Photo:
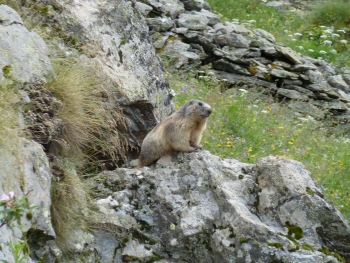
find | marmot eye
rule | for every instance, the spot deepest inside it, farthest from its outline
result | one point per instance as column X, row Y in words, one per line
column 200, row 104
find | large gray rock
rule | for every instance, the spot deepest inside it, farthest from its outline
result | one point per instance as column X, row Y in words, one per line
column 323, row 87
column 245, row 82
column 283, row 74
column 264, row 34
column 292, row 94
column 24, row 56
column 213, row 19
column 338, row 83
column 304, row 67
column 333, row 105
column 346, row 74
column 289, row 54
column 195, row 5
column 143, row 8
column 232, row 40
column 314, row 76
column 178, row 51
column 172, row 8
column 159, row 24
column 115, row 30
column 24, row 169
column 227, row 66
column 307, row 109
column 228, row 27
column 197, row 38
column 193, row 21
column 302, row 90
column 200, row 207
column 234, row 52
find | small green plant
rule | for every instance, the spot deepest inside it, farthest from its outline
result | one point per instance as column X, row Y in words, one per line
column 243, row 240
column 326, row 251
column 6, row 70
column 294, row 230
column 275, row 244
column 14, row 208
column 308, row 247
column 20, row 252
column 309, row 191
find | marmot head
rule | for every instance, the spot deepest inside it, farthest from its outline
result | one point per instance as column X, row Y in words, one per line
column 198, row 109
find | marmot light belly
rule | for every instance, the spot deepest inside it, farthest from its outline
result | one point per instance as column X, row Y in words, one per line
column 181, row 131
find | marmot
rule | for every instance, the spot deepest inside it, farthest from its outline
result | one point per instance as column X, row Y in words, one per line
column 181, row 131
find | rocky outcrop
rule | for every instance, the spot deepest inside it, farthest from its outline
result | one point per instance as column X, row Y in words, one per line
column 31, row 176
column 247, row 56
column 116, row 38
column 24, row 166
column 199, row 208
column 24, row 54
column 192, row 208
column 113, row 36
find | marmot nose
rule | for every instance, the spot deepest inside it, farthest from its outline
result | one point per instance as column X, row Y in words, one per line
column 209, row 111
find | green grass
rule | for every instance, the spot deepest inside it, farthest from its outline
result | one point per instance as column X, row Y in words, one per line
column 320, row 33
column 246, row 128
column 332, row 13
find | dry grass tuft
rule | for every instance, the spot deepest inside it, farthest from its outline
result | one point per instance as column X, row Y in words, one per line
column 89, row 115
column 89, row 136
column 70, row 204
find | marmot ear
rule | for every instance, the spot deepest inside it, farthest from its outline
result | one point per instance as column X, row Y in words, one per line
column 191, row 102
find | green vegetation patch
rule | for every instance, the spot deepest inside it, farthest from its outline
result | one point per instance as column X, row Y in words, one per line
column 274, row 244
column 6, row 70
column 308, row 247
column 294, row 230
column 247, row 125
column 326, row 251
column 309, row 191
column 243, row 240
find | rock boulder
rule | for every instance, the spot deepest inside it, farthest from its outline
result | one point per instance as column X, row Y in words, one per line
column 199, row 208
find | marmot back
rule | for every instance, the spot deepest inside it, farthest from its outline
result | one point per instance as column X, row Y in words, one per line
column 181, row 131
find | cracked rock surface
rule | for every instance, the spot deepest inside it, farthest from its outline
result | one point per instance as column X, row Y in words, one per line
column 199, row 208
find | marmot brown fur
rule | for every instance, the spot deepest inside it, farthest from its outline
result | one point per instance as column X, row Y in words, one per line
column 181, row 131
